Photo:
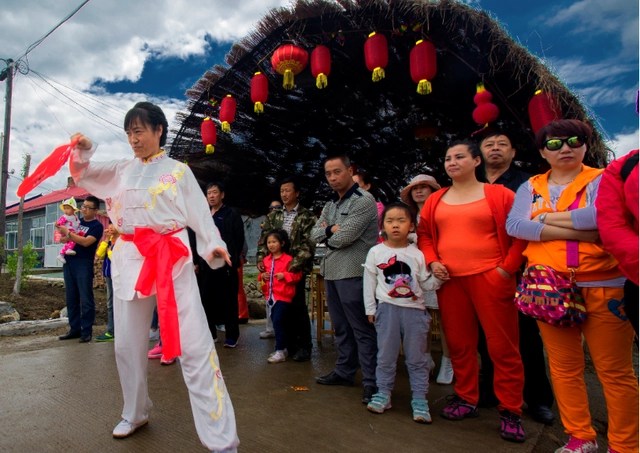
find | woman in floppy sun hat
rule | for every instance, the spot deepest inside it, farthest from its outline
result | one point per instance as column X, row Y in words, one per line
column 417, row 192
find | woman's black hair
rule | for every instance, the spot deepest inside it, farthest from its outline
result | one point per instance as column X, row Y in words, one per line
column 474, row 150
column 282, row 237
column 150, row 115
column 368, row 180
column 396, row 205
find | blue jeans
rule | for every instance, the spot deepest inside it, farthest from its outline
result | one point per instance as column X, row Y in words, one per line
column 278, row 315
column 109, row 284
column 78, row 283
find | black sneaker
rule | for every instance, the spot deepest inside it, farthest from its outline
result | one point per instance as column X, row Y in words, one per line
column 333, row 379
column 369, row 391
column 302, row 355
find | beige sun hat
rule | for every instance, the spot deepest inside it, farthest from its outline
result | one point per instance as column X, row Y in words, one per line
column 405, row 195
column 70, row 202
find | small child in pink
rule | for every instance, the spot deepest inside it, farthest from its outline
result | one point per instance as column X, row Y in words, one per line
column 71, row 221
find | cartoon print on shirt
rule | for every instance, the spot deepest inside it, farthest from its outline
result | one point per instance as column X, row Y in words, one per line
column 398, row 275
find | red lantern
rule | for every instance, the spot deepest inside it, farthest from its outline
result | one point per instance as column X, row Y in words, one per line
column 259, row 91
column 423, row 65
column 485, row 112
column 321, row 65
column 376, row 55
column 543, row 109
column 289, row 60
column 208, row 132
column 227, row 112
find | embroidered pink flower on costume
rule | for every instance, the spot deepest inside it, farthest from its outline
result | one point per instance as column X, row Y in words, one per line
column 108, row 201
column 119, row 222
column 167, row 179
column 218, row 374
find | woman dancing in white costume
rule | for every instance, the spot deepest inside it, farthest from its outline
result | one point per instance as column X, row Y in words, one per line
column 151, row 200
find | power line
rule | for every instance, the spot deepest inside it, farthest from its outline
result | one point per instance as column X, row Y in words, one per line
column 82, row 93
column 33, row 86
column 98, row 119
column 39, row 41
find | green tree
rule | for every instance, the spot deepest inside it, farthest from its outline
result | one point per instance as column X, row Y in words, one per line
column 30, row 258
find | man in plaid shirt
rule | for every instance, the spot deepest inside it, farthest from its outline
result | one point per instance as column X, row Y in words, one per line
column 297, row 221
column 349, row 227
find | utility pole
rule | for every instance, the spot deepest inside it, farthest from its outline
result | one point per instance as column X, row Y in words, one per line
column 7, row 73
column 20, row 265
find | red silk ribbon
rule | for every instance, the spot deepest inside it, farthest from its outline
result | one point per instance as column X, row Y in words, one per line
column 161, row 252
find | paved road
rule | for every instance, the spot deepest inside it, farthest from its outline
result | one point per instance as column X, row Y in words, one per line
column 65, row 397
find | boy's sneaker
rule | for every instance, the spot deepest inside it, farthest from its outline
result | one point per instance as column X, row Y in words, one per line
column 221, row 328
column 267, row 334
column 379, row 403
column 154, row 335
column 70, row 252
column 278, row 356
column 106, row 337
column 156, row 352
column 576, row 445
column 457, row 409
column 61, row 259
column 511, row 427
column 165, row 361
column 230, row 343
column 421, row 412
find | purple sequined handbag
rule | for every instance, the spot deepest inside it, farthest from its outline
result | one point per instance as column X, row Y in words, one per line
column 548, row 296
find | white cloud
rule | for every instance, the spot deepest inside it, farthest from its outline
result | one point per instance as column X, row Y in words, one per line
column 623, row 143
column 597, row 17
column 105, row 41
column 608, row 95
column 575, row 70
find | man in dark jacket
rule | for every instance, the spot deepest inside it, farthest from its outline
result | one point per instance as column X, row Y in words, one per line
column 297, row 221
column 220, row 286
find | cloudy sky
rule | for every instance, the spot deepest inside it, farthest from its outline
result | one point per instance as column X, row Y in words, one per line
column 111, row 54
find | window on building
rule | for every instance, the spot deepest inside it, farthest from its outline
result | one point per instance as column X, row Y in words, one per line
column 52, row 215
column 36, row 234
column 11, row 236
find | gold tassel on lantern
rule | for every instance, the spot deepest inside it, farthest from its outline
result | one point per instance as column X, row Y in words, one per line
column 226, row 127
column 378, row 74
column 321, row 81
column 258, row 107
column 288, row 80
column 209, row 149
column 424, row 87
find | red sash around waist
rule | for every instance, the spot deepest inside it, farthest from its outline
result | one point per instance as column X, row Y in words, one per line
column 161, row 252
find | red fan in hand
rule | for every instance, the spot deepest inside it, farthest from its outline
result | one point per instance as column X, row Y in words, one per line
column 47, row 168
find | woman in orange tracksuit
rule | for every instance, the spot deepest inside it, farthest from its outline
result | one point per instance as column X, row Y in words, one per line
column 456, row 223
column 540, row 214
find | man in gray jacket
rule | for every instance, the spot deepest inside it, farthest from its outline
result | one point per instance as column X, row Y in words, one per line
column 349, row 227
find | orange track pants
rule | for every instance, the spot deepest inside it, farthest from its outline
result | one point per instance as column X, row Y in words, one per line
column 488, row 298
column 610, row 340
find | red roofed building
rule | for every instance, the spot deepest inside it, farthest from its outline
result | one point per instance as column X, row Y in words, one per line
column 40, row 214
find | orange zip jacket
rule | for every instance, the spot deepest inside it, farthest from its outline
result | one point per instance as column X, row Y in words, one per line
column 500, row 200
column 595, row 263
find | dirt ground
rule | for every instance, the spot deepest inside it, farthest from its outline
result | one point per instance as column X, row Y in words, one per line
column 41, row 298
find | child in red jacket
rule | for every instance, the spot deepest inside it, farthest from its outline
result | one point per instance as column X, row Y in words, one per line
column 279, row 287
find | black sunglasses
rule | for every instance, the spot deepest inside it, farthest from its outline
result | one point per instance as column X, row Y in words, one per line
column 274, row 207
column 554, row 144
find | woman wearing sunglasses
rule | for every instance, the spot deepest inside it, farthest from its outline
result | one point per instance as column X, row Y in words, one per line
column 541, row 215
